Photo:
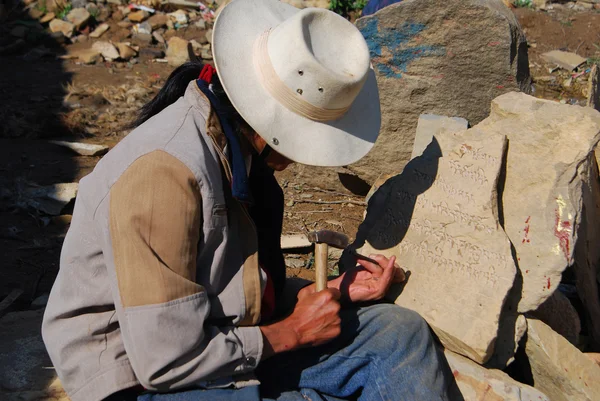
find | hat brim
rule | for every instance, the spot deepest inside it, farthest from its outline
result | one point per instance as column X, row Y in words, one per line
column 335, row 143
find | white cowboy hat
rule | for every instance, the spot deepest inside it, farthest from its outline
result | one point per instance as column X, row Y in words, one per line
column 301, row 78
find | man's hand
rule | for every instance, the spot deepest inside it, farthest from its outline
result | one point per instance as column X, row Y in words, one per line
column 314, row 321
column 365, row 282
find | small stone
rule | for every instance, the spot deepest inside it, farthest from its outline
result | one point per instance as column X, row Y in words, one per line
column 158, row 21
column 208, row 36
column 80, row 39
column 122, row 34
column 179, row 17
column 177, row 51
column 78, row 17
column 567, row 60
column 124, row 24
column 206, row 54
column 200, row 24
column 138, row 16
column 19, row 31
column 35, row 13
column 50, row 199
column 57, row 25
column 125, row 51
column 142, row 39
column 144, row 28
column 47, row 18
column 83, row 149
column 158, row 37
column 196, row 46
column 294, row 263
column 99, row 31
column 151, row 54
column 294, row 241
column 107, row 49
column 78, row 3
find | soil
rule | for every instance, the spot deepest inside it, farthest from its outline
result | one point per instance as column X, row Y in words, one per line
column 52, row 98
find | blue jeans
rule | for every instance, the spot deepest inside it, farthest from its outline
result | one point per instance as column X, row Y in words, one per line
column 385, row 352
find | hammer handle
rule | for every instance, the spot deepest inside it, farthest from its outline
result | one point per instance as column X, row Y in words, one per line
column 321, row 256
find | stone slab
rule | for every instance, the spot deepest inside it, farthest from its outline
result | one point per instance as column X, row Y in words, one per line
column 558, row 313
column 83, row 149
column 433, row 125
column 567, row 60
column 440, row 219
column 559, row 369
column 550, row 146
column 477, row 383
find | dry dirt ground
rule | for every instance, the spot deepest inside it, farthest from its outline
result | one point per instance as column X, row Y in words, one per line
column 50, row 98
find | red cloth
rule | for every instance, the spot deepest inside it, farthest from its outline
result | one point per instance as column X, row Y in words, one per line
column 268, row 300
column 207, row 73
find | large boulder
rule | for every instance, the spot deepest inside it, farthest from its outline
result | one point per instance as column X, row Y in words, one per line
column 447, row 57
column 559, row 369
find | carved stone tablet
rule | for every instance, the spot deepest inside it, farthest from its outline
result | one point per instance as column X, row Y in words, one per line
column 440, row 218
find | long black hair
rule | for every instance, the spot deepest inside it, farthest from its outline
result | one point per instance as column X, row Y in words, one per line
column 175, row 87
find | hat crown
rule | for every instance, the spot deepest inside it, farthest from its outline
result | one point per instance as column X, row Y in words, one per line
column 321, row 57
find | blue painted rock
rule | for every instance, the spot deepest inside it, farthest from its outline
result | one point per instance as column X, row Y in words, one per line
column 446, row 57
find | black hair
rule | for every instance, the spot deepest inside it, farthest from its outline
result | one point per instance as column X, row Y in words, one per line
column 175, row 87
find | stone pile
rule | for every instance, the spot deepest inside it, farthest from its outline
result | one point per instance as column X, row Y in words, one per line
column 115, row 32
column 491, row 222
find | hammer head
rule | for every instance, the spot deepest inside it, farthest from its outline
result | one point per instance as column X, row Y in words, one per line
column 332, row 238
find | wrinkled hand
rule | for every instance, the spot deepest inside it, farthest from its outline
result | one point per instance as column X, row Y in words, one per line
column 369, row 281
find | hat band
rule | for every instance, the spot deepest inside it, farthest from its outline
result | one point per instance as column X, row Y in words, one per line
column 281, row 92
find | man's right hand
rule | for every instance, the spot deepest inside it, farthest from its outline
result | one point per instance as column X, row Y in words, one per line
column 315, row 321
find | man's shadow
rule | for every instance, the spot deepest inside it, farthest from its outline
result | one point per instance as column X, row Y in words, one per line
column 391, row 207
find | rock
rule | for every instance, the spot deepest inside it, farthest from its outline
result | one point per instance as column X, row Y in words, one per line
column 125, row 52
column 80, row 39
column 49, row 199
column 593, row 99
column 87, row 56
column 445, row 57
column 294, row 263
column 177, row 51
column 99, row 31
column 308, row 3
column 208, row 36
column 144, row 28
column 78, row 17
column 150, row 54
column 559, row 369
column 179, row 17
column 142, row 39
column 56, row 39
column 57, row 25
column 47, row 18
column 294, row 241
column 477, row 383
column 197, row 47
column 124, row 24
column 19, row 31
column 107, row 49
column 158, row 37
column 558, row 313
column 594, row 357
column 84, row 149
column 206, row 54
column 22, row 348
column 431, row 125
column 551, row 146
column 567, row 60
column 138, row 16
column 440, row 219
column 200, row 24
column 158, row 21
column 122, row 34
column 587, row 251
column 79, row 3
column 34, row 13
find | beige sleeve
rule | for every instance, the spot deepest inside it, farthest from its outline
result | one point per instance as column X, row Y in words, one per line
column 155, row 217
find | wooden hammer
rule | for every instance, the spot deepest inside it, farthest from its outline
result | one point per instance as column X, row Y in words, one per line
column 322, row 240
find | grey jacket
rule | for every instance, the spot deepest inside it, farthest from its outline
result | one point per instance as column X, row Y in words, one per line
column 159, row 282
